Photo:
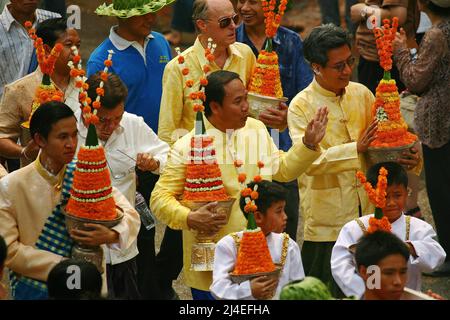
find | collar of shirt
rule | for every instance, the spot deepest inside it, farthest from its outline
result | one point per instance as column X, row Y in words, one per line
column 123, row 44
column 241, row 36
column 82, row 130
column 200, row 53
column 318, row 88
column 54, row 180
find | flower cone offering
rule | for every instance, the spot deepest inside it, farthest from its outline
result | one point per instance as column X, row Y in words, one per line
column 203, row 176
column 265, row 85
column 392, row 131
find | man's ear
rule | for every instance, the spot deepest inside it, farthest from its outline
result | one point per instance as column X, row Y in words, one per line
column 201, row 25
column 316, row 68
column 214, row 105
column 39, row 140
column 258, row 217
column 362, row 271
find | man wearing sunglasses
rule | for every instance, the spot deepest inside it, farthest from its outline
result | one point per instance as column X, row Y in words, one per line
column 295, row 76
column 214, row 19
column 329, row 193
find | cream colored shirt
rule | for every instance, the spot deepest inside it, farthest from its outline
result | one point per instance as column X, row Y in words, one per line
column 3, row 171
column 27, row 198
column 15, row 105
column 329, row 190
column 252, row 143
column 176, row 108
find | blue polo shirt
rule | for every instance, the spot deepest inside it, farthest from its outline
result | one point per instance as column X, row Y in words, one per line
column 141, row 69
column 295, row 73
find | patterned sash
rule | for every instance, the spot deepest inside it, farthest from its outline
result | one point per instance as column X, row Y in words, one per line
column 53, row 238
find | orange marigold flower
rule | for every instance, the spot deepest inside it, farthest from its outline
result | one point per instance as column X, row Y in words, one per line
column 246, row 192
column 257, row 179
column 100, row 91
column 180, row 59
column 107, row 63
column 58, row 47
column 94, row 119
column 85, row 86
column 74, row 73
column 193, row 96
column 104, row 76
column 76, row 58
column 210, row 57
column 206, row 68
column 56, row 97
column 254, row 195
column 185, row 71
column 204, row 82
column 79, row 84
column 28, row 24
column 96, row 104
column 242, row 177
column 189, row 83
column 87, row 109
column 238, row 163
column 260, row 164
column 198, row 108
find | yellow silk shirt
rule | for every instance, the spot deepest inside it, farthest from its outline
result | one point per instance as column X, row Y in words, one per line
column 329, row 191
column 176, row 108
column 252, row 143
column 27, row 198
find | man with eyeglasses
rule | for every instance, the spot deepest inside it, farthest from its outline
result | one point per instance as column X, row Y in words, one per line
column 129, row 143
column 329, row 193
column 214, row 19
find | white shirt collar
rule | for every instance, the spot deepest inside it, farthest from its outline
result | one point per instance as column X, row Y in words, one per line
column 6, row 18
column 121, row 43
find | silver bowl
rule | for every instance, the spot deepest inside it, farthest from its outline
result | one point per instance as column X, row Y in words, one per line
column 93, row 254
column 244, row 277
column 377, row 155
column 258, row 103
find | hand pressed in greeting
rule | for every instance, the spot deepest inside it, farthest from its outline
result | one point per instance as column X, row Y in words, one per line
column 410, row 159
column 98, row 235
column 263, row 287
column 206, row 219
column 315, row 131
column 275, row 118
column 400, row 40
column 146, row 162
column 367, row 137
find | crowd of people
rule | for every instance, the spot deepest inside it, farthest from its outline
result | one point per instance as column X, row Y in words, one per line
column 146, row 121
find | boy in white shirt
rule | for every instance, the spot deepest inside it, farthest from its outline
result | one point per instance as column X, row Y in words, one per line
column 425, row 253
column 271, row 218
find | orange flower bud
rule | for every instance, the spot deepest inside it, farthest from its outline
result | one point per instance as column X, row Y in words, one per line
column 246, row 192
column 254, row 195
column 28, row 24
column 104, row 76
column 189, row 83
column 58, row 47
column 193, row 96
column 100, row 91
column 238, row 163
column 180, row 59
column 96, row 104
column 185, row 71
column 107, row 63
column 206, row 68
column 242, row 177
column 257, row 179
column 87, row 109
column 76, row 59
column 204, row 82
column 260, row 164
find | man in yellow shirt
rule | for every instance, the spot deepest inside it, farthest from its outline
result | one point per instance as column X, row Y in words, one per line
column 235, row 136
column 330, row 194
column 214, row 19
column 217, row 20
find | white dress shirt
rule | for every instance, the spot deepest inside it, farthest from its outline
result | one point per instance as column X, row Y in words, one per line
column 133, row 136
column 430, row 254
column 16, row 46
column 225, row 259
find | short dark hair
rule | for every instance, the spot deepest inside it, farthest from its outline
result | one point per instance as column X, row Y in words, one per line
column 374, row 247
column 90, row 281
column 115, row 90
column 215, row 89
column 397, row 175
column 51, row 30
column 437, row 10
column 269, row 192
column 321, row 40
column 47, row 115
column 3, row 252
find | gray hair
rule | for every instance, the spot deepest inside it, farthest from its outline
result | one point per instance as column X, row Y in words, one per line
column 321, row 40
column 199, row 11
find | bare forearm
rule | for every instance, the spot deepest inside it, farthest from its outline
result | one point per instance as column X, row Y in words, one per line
column 385, row 13
column 10, row 149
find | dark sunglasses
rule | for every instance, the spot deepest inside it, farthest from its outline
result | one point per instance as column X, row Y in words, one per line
column 225, row 22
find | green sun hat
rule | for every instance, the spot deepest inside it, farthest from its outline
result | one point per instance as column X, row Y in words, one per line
column 129, row 8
